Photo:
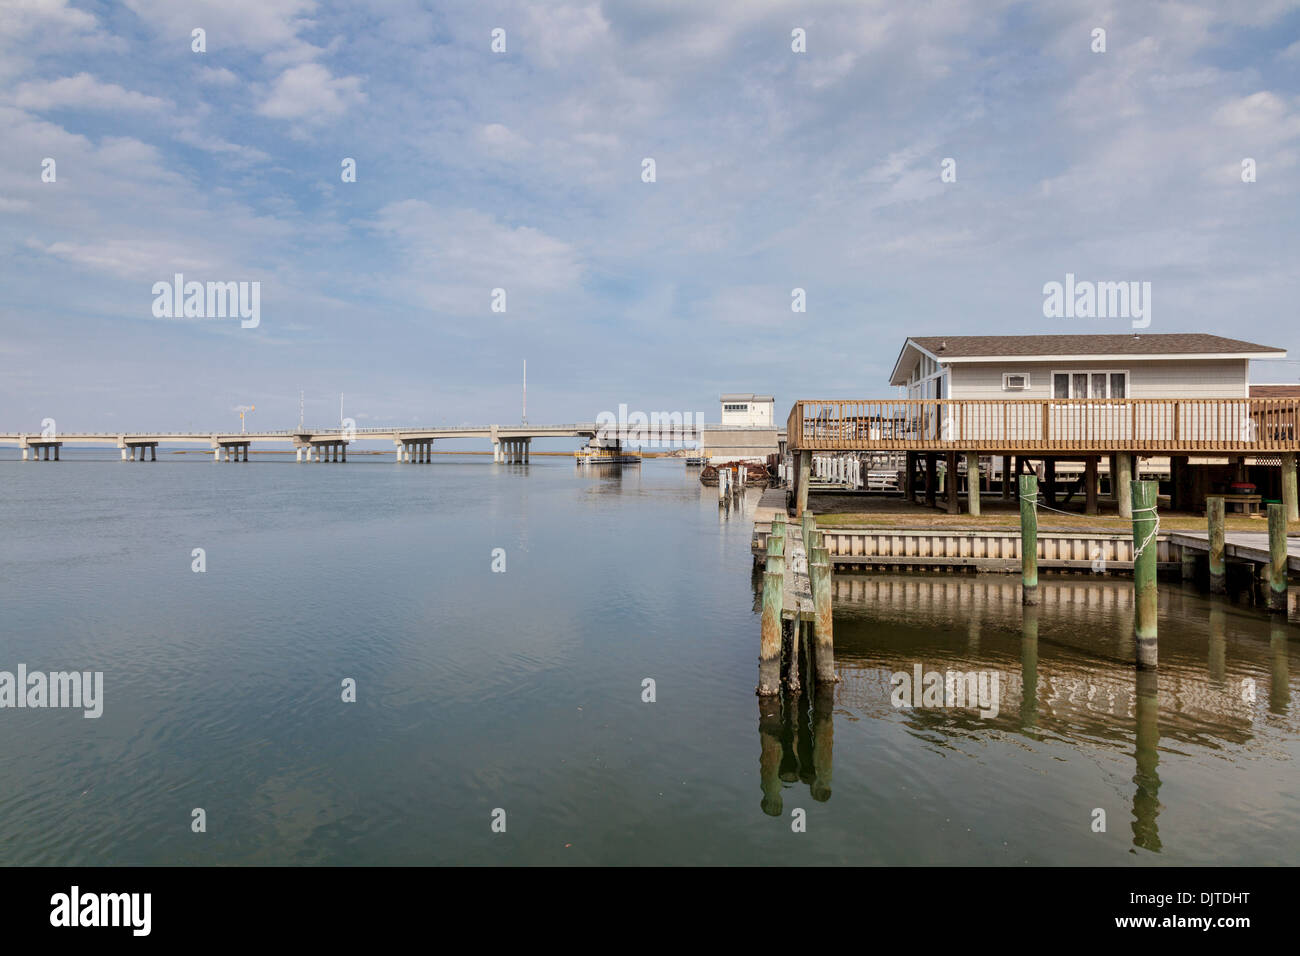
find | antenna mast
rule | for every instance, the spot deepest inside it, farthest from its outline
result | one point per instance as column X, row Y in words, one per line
column 525, row 418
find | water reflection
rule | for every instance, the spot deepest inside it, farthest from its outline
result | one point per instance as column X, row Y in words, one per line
column 1146, row 799
column 796, row 740
column 1066, row 677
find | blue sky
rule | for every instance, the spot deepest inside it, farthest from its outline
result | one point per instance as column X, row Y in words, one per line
column 478, row 170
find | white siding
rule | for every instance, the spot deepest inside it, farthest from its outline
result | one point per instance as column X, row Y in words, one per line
column 1211, row 378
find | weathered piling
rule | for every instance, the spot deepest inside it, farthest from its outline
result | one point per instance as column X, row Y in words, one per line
column 1188, row 559
column 1145, row 597
column 1277, row 558
column 804, row 476
column 1218, row 564
column 973, row 483
column 769, row 651
column 1123, row 499
column 819, row 573
column 1029, row 539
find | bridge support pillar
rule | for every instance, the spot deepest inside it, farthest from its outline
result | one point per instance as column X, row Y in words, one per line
column 153, row 452
column 528, row 442
column 343, row 451
column 216, row 454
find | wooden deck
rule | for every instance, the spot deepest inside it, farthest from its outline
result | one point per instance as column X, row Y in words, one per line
column 1249, row 546
column 1066, row 426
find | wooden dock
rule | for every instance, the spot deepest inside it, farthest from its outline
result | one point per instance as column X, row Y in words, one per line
column 1247, row 546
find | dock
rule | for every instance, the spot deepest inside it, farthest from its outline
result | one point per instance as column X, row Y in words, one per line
column 1246, row 546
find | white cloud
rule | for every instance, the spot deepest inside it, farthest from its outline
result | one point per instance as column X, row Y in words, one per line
column 309, row 91
column 85, row 92
column 218, row 76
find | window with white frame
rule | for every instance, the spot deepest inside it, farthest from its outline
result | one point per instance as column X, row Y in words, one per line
column 1090, row 383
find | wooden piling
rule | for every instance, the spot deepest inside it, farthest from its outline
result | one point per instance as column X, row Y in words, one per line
column 1289, row 501
column 1006, row 477
column 1090, row 485
column 1029, row 539
column 1123, row 496
column 769, row 652
column 801, row 489
column 931, row 477
column 973, row 483
column 1145, row 597
column 1188, row 559
column 1218, row 564
column 1278, row 558
column 819, row 573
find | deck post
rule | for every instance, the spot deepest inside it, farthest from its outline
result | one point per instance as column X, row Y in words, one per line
column 1278, row 558
column 1145, row 597
column 909, row 476
column 1049, row 481
column 1029, row 539
column 931, row 477
column 801, row 488
column 950, row 483
column 973, row 483
column 1006, row 477
column 1123, row 496
column 1218, row 567
column 1090, row 485
column 1289, row 500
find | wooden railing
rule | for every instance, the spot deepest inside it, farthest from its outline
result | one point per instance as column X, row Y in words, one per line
column 1156, row 425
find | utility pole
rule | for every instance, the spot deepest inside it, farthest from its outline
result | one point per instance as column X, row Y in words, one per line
column 525, row 418
column 300, row 406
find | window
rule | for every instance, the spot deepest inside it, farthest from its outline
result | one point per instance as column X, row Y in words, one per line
column 735, row 408
column 1015, row 380
column 1090, row 384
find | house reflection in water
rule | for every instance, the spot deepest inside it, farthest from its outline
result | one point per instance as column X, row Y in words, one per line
column 1066, row 677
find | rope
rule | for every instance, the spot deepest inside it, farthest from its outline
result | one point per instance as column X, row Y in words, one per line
column 1155, row 528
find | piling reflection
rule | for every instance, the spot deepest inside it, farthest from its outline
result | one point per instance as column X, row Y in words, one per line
column 1279, row 692
column 1146, row 798
column 796, row 742
column 1029, row 667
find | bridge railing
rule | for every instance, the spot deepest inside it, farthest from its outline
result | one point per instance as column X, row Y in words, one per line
column 1064, row 425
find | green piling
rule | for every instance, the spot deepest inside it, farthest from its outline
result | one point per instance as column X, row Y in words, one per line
column 1277, row 558
column 1145, row 597
column 1029, row 539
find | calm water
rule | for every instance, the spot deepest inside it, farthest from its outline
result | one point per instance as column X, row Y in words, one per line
column 522, row 690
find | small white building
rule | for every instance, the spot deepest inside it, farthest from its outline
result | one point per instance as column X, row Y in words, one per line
column 748, row 409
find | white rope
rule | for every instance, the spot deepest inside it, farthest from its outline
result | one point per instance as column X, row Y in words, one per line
column 1155, row 528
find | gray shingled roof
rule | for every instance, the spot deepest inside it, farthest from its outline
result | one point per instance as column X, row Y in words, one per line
column 974, row 346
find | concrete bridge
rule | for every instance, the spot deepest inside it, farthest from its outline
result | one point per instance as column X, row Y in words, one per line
column 510, row 443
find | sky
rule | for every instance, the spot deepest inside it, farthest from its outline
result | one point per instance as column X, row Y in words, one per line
column 775, row 169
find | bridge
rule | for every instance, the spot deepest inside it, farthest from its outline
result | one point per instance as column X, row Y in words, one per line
column 510, row 443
